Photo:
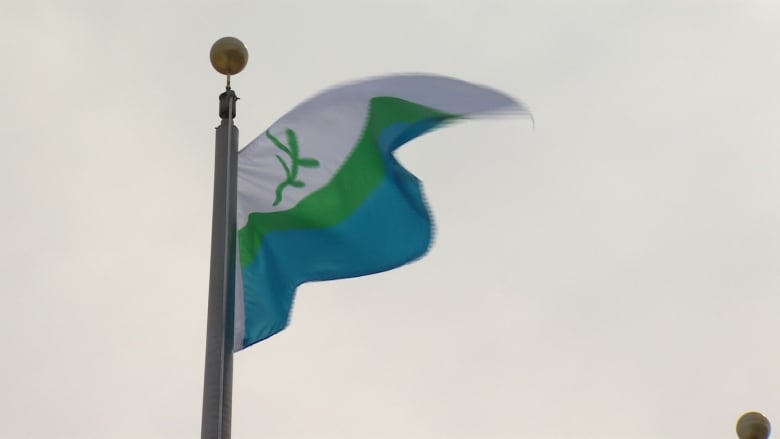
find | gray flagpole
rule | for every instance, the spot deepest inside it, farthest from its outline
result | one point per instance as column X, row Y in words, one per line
column 228, row 56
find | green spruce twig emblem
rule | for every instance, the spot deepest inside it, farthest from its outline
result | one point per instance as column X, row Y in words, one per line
column 291, row 170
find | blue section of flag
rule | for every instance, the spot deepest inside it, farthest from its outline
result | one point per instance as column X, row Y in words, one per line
column 391, row 228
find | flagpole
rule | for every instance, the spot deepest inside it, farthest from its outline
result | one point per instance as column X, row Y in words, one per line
column 228, row 56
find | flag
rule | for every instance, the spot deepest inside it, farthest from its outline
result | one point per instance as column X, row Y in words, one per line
column 321, row 197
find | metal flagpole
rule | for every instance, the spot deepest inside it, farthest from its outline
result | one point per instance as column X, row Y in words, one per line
column 228, row 56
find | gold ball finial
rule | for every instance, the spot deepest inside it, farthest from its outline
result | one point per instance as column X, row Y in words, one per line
column 753, row 425
column 229, row 55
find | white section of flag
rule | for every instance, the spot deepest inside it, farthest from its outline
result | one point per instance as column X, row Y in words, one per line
column 329, row 125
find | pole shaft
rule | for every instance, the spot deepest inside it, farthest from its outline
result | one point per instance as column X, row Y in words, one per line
column 218, row 375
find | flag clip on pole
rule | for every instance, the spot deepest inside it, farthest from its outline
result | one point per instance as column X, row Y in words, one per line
column 228, row 56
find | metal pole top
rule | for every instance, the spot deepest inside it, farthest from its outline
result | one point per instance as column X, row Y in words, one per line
column 753, row 425
column 229, row 56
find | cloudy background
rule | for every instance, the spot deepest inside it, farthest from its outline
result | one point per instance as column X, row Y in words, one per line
column 610, row 273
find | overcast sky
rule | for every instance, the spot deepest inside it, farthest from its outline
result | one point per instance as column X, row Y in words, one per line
column 611, row 273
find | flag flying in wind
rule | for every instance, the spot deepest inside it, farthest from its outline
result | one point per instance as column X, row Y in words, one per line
column 321, row 197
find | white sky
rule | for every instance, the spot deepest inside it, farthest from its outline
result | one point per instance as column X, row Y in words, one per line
column 610, row 273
